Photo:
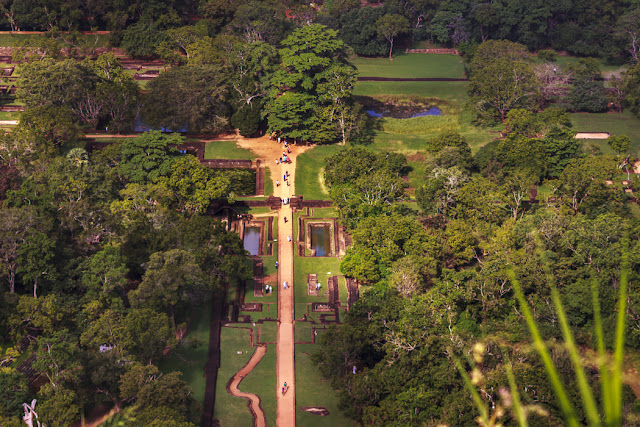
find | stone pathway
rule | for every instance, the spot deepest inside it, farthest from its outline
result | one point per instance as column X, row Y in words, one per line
column 268, row 151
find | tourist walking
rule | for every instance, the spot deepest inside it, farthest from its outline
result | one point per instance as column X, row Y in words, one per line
column 277, row 183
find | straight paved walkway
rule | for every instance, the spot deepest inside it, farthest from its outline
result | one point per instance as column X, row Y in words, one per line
column 285, row 345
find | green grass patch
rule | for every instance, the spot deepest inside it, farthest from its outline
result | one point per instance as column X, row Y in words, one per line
column 324, row 213
column 191, row 356
column 616, row 124
column 448, row 91
column 268, row 182
column 313, row 265
column 420, row 125
column 314, row 390
column 411, row 66
column 227, row 150
column 262, row 381
column 268, row 332
column 308, row 168
column 232, row 411
column 303, row 331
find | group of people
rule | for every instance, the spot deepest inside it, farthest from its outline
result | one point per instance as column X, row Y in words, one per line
column 268, row 288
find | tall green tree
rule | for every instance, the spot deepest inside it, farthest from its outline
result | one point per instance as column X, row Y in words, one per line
column 500, row 79
column 390, row 26
column 172, row 283
column 149, row 156
column 314, row 74
column 199, row 99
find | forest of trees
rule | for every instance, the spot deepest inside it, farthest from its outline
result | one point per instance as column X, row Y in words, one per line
column 108, row 248
column 439, row 275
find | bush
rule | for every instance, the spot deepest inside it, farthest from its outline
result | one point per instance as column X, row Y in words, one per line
column 547, row 55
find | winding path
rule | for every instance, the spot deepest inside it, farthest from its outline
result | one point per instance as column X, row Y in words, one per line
column 259, row 419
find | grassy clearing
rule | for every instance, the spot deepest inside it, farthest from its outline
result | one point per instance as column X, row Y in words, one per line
column 308, row 166
column 191, row 359
column 262, row 381
column 313, row 390
column 411, row 66
column 324, row 268
column 232, row 411
column 268, row 183
column 420, row 125
column 616, row 124
column 227, row 150
column 302, row 331
column 268, row 332
column 448, row 91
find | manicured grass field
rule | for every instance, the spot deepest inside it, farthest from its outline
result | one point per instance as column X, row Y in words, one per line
column 227, row 150
column 262, row 381
column 616, row 124
column 448, row 91
column 313, row 390
column 232, row 411
column 190, row 360
column 308, row 172
column 416, row 65
column 314, row 265
column 268, row 183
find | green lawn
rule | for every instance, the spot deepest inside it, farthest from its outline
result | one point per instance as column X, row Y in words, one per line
column 268, row 183
column 313, row 390
column 616, row 124
column 411, row 66
column 227, row 150
column 232, row 411
column 314, row 265
column 448, row 91
column 191, row 357
column 308, row 171
column 262, row 381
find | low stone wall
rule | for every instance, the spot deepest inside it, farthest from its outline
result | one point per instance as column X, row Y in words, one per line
column 592, row 135
column 437, row 50
column 227, row 163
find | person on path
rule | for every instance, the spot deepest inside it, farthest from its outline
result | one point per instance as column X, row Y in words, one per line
column 276, row 264
column 285, row 385
column 278, row 140
column 288, row 185
column 283, row 391
column 285, row 219
column 284, row 177
column 277, row 162
column 287, row 172
column 277, row 183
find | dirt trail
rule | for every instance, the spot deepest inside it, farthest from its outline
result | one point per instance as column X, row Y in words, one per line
column 259, row 419
column 268, row 151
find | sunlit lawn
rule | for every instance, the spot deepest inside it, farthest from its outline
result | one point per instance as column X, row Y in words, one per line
column 232, row 411
column 614, row 123
column 262, row 382
column 227, row 150
column 308, row 171
column 411, row 66
column 448, row 91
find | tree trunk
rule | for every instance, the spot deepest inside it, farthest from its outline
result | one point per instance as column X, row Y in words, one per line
column 391, row 48
column 35, row 288
column 12, row 280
